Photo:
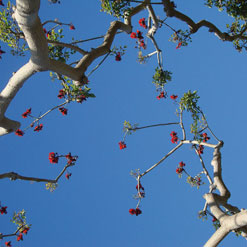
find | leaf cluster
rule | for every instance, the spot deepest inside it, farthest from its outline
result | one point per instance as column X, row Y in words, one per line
column 161, row 77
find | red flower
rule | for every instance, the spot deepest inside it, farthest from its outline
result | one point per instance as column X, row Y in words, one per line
column 140, row 187
column 122, row 145
column 142, row 23
column 118, row 57
column 61, row 94
column 70, row 158
column 1, row 3
column 181, row 164
column 179, row 45
column 53, row 158
column 25, row 230
column 38, row 128
column 3, row 210
column 8, row 243
column 214, row 219
column 174, row 137
column 173, row 96
column 132, row 211
column 179, row 170
column 63, row 110
column 48, row 34
column 45, row 31
column 67, row 175
column 161, row 95
column 133, row 35
column 26, row 113
column 139, row 34
column 142, row 44
column 200, row 149
column 138, row 211
column 19, row 132
column 81, row 98
column 205, row 137
column 20, row 237
column 72, row 27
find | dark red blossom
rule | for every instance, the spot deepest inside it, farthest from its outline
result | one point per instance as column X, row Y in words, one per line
column 179, row 45
column 133, row 35
column 179, row 170
column 67, row 175
column 25, row 230
column 19, row 132
column 20, row 237
column 3, row 210
column 72, row 27
column 38, row 128
column 118, row 57
column 81, row 98
column 1, row 3
column 132, row 211
column 48, row 34
column 45, row 31
column 143, row 45
column 8, row 244
column 136, row 211
column 122, row 145
column 200, row 149
column 161, row 95
column 214, row 219
column 61, row 94
column 181, row 164
column 139, row 34
column 142, row 23
column 174, row 139
column 53, row 158
column 63, row 110
column 173, row 97
column 26, row 113
column 70, row 158
column 140, row 187
column 205, row 137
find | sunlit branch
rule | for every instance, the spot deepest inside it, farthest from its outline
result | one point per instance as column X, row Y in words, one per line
column 182, row 125
column 166, row 156
column 72, row 47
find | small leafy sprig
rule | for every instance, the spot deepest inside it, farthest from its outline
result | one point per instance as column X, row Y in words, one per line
column 161, row 77
column 118, row 8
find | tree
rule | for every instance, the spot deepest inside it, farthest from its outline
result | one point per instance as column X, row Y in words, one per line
column 44, row 40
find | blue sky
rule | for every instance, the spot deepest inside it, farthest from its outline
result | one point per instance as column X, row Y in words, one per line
column 91, row 208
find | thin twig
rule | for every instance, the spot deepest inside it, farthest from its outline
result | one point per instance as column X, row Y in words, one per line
column 150, row 126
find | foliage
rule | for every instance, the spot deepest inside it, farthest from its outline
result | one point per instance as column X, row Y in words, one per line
column 10, row 33
column 161, row 77
column 118, row 8
column 19, row 219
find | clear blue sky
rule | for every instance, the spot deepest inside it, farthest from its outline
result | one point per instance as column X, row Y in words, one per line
column 91, row 209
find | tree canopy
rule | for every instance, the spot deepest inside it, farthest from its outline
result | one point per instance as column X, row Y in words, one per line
column 154, row 89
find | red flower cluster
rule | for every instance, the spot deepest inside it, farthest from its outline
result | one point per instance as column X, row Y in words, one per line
column 72, row 27
column 19, row 132
column 122, row 145
column 81, row 98
column 136, row 211
column 70, row 158
column 214, row 219
column 118, row 57
column 179, row 45
column 20, row 237
column 38, row 128
column 161, row 95
column 173, row 97
column 53, row 157
column 25, row 230
column 142, row 23
column 1, row 3
column 205, row 137
column 67, row 175
column 61, row 94
column 179, row 170
column 181, row 164
column 26, row 113
column 200, row 149
column 3, row 210
column 174, row 137
column 8, row 244
column 63, row 110
column 138, row 35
